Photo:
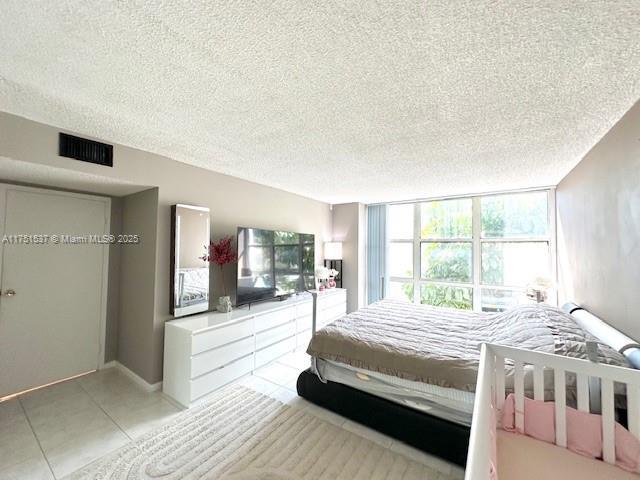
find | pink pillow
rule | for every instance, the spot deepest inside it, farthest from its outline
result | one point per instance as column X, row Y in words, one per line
column 584, row 433
column 627, row 449
column 584, row 430
column 539, row 420
column 509, row 413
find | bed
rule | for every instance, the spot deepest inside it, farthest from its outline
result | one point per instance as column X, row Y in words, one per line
column 405, row 369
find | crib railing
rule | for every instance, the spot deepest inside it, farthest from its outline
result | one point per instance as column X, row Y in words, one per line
column 490, row 394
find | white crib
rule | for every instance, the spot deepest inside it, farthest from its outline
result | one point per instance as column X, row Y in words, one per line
column 490, row 393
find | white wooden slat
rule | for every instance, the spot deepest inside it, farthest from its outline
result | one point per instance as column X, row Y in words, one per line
column 595, row 390
column 479, row 453
column 612, row 372
column 500, row 391
column 538, row 382
column 560, row 396
column 518, row 381
column 608, row 422
column 583, row 392
column 633, row 409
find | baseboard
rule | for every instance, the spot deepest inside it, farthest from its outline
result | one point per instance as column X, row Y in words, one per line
column 110, row 364
column 135, row 377
column 173, row 402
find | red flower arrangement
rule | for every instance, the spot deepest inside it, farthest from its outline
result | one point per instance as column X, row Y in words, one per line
column 221, row 253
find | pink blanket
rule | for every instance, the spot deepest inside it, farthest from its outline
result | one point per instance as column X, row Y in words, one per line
column 584, row 431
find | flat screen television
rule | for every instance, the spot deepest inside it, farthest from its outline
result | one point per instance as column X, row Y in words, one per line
column 273, row 264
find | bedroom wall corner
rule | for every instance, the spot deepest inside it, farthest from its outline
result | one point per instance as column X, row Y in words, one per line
column 137, row 283
column 598, row 221
column 113, row 283
column 349, row 227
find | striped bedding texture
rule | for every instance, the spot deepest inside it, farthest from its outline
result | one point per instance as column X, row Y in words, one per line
column 441, row 346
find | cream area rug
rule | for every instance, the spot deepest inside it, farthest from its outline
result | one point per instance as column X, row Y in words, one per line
column 244, row 435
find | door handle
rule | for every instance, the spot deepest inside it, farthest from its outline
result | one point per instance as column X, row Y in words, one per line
column 9, row 293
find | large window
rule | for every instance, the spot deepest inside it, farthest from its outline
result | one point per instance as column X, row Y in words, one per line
column 476, row 253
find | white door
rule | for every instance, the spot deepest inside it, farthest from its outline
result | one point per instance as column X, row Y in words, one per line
column 52, row 294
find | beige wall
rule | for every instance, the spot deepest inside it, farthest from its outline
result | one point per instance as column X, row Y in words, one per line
column 349, row 227
column 232, row 201
column 137, row 289
column 598, row 206
column 113, row 284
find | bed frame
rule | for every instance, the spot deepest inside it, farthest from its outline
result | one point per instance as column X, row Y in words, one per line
column 606, row 333
column 431, row 434
column 425, row 432
column 445, row 439
column 490, row 395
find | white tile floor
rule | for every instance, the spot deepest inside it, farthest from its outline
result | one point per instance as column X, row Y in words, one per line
column 52, row 432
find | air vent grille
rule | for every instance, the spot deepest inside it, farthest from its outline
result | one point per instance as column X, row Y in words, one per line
column 85, row 150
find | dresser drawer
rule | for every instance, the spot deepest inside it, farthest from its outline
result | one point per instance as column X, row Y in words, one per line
column 218, row 357
column 304, row 323
column 273, row 319
column 268, row 337
column 269, row 354
column 302, row 340
column 304, row 309
column 213, row 380
column 331, row 299
column 221, row 336
column 330, row 314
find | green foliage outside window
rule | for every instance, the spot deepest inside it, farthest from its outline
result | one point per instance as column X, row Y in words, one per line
column 450, row 262
column 447, row 262
column 492, row 264
column 407, row 289
column 446, row 219
column 515, row 215
column 502, row 216
column 447, row 296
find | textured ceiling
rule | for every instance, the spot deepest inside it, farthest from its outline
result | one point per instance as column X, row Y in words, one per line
column 340, row 101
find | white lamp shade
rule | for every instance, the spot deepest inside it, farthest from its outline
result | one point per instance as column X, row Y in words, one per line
column 333, row 250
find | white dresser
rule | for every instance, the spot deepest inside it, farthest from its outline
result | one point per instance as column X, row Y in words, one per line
column 204, row 352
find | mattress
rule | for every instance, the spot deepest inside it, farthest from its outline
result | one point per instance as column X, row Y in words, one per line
column 446, row 403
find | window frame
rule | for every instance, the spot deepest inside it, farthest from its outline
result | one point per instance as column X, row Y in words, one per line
column 476, row 242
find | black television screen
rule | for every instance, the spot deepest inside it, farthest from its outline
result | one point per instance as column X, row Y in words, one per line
column 273, row 263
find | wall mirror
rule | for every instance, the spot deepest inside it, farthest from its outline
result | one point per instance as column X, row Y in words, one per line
column 190, row 235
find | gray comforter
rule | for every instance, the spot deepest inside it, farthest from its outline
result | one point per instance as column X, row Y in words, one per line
column 441, row 346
